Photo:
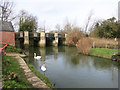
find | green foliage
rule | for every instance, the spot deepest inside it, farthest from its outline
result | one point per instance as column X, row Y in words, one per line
column 12, row 49
column 108, row 29
column 102, row 52
column 10, row 65
column 41, row 76
column 27, row 22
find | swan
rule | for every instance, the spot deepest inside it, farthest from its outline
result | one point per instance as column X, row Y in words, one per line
column 36, row 57
column 43, row 68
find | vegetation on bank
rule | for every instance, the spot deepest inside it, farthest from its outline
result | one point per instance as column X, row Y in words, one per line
column 13, row 49
column 44, row 78
column 104, row 43
column 13, row 75
column 11, row 65
column 102, row 52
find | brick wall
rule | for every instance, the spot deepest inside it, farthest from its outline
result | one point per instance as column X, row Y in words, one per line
column 7, row 37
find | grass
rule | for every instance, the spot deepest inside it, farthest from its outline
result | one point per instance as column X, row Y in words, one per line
column 102, row 52
column 9, row 65
column 42, row 77
column 13, row 49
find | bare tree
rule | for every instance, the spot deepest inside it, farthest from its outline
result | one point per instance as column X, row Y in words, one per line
column 88, row 20
column 57, row 26
column 6, row 13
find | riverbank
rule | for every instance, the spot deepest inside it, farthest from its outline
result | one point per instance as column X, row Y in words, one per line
column 11, row 64
column 41, row 76
column 102, row 52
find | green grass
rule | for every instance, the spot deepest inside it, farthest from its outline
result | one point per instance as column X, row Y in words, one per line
column 42, row 77
column 9, row 65
column 13, row 49
column 102, row 52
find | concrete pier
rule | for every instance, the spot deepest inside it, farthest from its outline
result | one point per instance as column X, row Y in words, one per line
column 35, row 34
column 42, row 42
column 26, row 37
column 21, row 34
column 65, row 42
column 55, row 42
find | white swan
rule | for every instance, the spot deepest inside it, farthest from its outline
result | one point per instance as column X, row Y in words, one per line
column 37, row 57
column 43, row 68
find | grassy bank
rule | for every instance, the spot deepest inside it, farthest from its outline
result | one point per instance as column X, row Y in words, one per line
column 42, row 77
column 102, row 52
column 10, row 65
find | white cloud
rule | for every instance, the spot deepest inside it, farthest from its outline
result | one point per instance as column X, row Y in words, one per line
column 55, row 11
column 48, row 9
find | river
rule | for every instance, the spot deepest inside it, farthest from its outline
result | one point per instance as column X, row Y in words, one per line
column 68, row 69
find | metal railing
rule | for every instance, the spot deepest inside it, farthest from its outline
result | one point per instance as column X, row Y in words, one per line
column 2, row 48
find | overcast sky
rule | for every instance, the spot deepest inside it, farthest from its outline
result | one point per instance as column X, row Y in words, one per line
column 52, row 12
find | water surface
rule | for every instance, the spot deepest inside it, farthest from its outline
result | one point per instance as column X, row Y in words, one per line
column 68, row 69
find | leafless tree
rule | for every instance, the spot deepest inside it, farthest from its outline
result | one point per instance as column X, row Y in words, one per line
column 57, row 26
column 6, row 13
column 88, row 20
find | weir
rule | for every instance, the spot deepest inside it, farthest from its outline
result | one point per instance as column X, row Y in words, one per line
column 41, row 39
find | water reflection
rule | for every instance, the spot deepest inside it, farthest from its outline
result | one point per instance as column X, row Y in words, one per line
column 55, row 50
column 67, row 68
column 42, row 53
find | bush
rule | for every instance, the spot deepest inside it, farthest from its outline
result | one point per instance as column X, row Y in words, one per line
column 105, row 43
column 84, row 45
column 74, row 36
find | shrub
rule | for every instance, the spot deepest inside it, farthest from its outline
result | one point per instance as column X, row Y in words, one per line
column 84, row 45
column 74, row 36
column 105, row 43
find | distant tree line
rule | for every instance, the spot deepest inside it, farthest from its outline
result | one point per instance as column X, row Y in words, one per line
column 109, row 28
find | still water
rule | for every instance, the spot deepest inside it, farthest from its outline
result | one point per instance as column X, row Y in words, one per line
column 68, row 69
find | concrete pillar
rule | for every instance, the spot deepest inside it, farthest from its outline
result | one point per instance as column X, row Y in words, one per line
column 42, row 42
column 65, row 42
column 26, row 37
column 55, row 42
column 21, row 34
column 35, row 34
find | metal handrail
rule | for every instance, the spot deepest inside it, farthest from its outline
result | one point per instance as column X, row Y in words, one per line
column 3, row 47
